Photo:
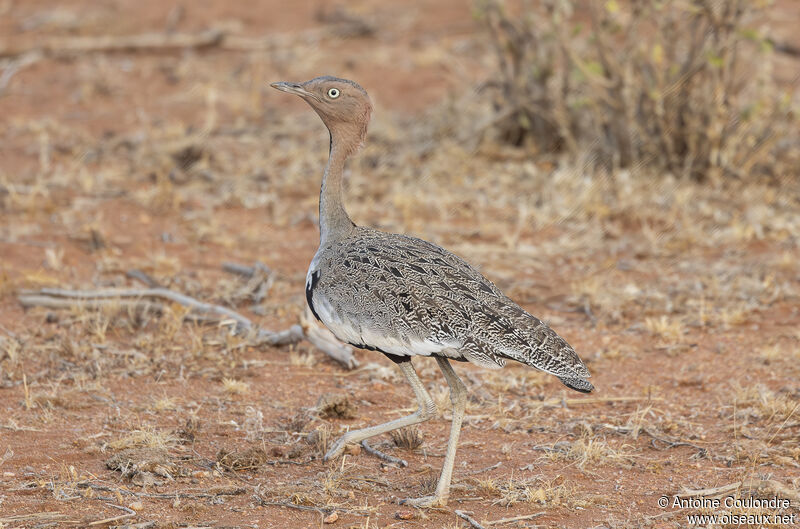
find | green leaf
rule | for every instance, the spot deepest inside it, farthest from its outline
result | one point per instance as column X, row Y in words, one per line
column 594, row 67
column 715, row 60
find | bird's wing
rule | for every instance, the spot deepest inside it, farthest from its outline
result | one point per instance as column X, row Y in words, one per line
column 407, row 296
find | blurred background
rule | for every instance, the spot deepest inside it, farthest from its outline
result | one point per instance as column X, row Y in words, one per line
column 628, row 170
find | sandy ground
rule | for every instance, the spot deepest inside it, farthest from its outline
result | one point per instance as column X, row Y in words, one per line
column 684, row 300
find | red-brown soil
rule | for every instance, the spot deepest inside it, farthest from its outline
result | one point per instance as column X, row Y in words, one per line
column 684, row 300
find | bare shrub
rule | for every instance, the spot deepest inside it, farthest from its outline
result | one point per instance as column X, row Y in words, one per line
column 681, row 86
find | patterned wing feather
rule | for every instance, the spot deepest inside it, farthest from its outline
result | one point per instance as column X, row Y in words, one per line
column 406, row 296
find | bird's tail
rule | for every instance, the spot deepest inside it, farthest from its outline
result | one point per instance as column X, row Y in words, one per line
column 578, row 384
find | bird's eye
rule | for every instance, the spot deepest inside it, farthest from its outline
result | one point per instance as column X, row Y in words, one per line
column 333, row 93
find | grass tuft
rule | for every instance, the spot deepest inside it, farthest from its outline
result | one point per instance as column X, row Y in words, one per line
column 235, row 387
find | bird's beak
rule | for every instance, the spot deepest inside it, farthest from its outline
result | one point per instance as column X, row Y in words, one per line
column 293, row 88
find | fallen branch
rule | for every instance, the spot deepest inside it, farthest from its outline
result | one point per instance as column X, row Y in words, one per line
column 769, row 485
column 670, row 443
column 129, row 513
column 65, row 46
column 714, row 491
column 145, row 278
column 165, row 42
column 380, row 455
column 290, row 505
column 139, row 299
column 701, row 451
column 324, row 340
column 60, row 298
column 246, row 271
column 234, row 491
column 146, row 299
column 516, row 518
column 470, row 520
column 482, row 470
column 322, row 510
column 604, row 400
column 39, row 516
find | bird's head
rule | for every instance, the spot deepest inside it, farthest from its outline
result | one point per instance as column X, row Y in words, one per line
column 343, row 105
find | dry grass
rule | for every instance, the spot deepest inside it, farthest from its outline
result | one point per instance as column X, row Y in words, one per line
column 248, row 459
column 253, row 423
column 761, row 404
column 624, row 263
column 145, row 437
column 409, row 438
column 165, row 404
column 235, row 387
column 302, row 358
column 511, row 492
column 591, row 452
column 10, row 349
column 683, row 87
column 664, row 328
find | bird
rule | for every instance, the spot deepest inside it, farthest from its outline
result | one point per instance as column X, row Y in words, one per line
column 406, row 297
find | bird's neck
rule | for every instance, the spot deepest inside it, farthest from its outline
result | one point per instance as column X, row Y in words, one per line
column 334, row 222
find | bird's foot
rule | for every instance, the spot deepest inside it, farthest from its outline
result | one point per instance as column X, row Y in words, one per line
column 426, row 502
column 337, row 448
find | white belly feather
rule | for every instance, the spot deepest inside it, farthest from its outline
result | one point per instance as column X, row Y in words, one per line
column 360, row 333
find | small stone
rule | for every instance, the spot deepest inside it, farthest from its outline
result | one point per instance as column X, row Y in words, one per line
column 136, row 505
column 404, row 515
column 331, row 518
column 8, row 474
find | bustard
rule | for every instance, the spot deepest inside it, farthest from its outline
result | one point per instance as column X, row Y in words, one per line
column 407, row 297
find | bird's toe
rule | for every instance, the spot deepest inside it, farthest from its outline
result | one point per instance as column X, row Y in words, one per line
column 335, row 450
column 426, row 502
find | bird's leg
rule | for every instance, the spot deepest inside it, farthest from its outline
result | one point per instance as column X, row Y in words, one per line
column 426, row 410
column 458, row 396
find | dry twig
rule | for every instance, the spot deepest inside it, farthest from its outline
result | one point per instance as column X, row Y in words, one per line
column 515, row 518
column 41, row 516
column 380, row 455
column 322, row 510
column 65, row 46
column 244, row 270
column 482, row 470
column 233, row 491
column 324, row 340
column 136, row 298
column 470, row 520
column 769, row 485
column 143, row 299
column 145, row 278
column 129, row 513
column 165, row 42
